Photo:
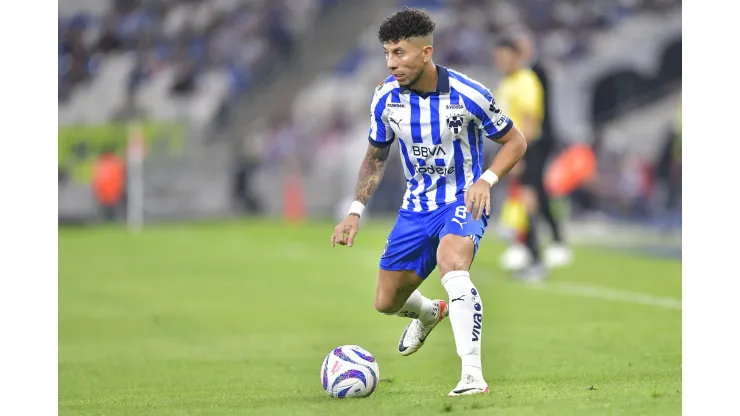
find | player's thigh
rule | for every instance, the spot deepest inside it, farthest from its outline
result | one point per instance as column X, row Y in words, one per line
column 393, row 288
column 408, row 258
column 459, row 238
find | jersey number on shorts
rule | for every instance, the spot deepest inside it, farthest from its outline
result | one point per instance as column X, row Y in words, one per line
column 460, row 212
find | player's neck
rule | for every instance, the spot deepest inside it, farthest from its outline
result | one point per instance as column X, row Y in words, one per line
column 514, row 71
column 428, row 81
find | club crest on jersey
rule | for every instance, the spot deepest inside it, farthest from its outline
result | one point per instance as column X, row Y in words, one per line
column 494, row 108
column 455, row 123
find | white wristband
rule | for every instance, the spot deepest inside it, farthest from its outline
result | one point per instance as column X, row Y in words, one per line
column 489, row 177
column 356, row 208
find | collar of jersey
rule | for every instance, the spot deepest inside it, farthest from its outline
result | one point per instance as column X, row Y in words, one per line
column 443, row 84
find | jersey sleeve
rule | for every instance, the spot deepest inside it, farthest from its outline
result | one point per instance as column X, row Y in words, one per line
column 381, row 134
column 495, row 123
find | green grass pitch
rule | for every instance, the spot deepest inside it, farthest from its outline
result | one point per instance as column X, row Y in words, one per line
column 235, row 319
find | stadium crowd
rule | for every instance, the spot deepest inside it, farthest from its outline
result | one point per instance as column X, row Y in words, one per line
column 193, row 36
column 562, row 27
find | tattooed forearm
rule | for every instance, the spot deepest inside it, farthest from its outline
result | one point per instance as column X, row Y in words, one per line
column 371, row 172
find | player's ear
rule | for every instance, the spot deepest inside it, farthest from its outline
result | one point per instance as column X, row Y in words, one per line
column 428, row 53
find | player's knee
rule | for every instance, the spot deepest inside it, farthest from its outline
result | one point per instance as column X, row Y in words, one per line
column 386, row 305
column 455, row 253
column 452, row 263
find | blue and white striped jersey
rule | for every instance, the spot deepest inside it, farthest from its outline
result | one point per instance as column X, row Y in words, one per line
column 440, row 135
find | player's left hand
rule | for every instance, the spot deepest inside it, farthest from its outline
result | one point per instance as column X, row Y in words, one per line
column 478, row 199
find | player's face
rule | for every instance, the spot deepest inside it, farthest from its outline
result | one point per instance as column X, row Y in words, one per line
column 505, row 59
column 526, row 48
column 405, row 60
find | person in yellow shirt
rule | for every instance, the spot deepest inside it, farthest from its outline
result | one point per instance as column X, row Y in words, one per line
column 558, row 254
column 521, row 95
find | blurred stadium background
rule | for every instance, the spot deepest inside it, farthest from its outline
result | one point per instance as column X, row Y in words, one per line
column 251, row 107
column 255, row 112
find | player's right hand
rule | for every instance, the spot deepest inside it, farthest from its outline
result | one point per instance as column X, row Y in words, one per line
column 345, row 232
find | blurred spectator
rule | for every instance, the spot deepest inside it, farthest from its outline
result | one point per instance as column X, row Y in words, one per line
column 668, row 169
column 109, row 40
column 147, row 63
column 75, row 62
column 109, row 184
column 276, row 26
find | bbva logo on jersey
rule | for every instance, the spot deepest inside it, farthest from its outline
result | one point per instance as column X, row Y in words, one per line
column 455, row 123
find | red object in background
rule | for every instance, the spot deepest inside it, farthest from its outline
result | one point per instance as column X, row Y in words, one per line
column 569, row 170
column 514, row 189
column 293, row 199
column 109, row 179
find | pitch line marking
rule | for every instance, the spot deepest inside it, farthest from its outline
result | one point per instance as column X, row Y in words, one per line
column 601, row 292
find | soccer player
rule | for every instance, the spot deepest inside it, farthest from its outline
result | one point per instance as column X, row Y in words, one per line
column 521, row 94
column 438, row 117
column 557, row 254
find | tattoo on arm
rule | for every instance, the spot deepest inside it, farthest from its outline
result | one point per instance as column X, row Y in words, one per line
column 371, row 172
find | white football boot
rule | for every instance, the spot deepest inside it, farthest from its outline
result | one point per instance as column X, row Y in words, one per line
column 516, row 257
column 534, row 273
column 558, row 255
column 469, row 385
column 416, row 333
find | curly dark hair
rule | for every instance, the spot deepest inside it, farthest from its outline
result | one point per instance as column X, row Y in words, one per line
column 406, row 23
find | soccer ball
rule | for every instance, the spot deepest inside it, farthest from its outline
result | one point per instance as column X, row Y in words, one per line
column 349, row 371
